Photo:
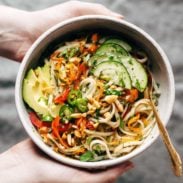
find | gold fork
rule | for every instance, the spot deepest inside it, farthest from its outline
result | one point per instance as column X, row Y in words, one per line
column 174, row 155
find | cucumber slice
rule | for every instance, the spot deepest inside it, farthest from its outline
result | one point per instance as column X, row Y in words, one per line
column 119, row 42
column 96, row 59
column 113, row 71
column 112, row 53
column 137, row 73
column 135, row 69
column 107, row 49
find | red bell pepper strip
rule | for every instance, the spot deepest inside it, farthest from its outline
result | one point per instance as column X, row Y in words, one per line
column 63, row 97
column 82, row 68
column 64, row 127
column 95, row 37
column 35, row 120
column 89, row 125
column 55, row 127
column 76, row 84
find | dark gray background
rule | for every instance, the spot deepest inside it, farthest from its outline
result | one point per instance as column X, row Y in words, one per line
column 163, row 20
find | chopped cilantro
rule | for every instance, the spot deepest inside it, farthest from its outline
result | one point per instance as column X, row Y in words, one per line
column 87, row 156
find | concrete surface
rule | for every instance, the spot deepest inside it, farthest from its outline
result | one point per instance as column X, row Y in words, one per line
column 163, row 20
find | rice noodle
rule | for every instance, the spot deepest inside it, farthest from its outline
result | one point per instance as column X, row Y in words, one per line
column 103, row 134
column 94, row 142
column 89, row 84
column 102, row 114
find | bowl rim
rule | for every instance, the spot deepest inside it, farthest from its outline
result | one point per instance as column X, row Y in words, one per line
column 30, row 130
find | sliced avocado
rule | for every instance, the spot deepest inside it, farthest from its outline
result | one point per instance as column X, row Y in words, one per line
column 31, row 76
column 43, row 74
column 32, row 94
column 33, row 91
column 107, row 49
column 113, row 71
column 120, row 42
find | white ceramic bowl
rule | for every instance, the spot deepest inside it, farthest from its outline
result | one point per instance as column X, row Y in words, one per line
column 161, row 70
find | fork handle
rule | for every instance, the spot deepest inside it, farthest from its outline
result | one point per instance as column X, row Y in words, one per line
column 174, row 155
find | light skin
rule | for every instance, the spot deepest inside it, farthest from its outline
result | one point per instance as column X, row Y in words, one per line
column 19, row 29
column 25, row 162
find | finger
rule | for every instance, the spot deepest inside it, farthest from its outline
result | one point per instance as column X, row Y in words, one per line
column 111, row 174
column 86, row 8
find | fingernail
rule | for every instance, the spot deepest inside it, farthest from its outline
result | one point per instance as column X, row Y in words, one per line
column 117, row 15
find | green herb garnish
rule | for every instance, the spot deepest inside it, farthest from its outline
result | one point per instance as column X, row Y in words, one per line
column 87, row 156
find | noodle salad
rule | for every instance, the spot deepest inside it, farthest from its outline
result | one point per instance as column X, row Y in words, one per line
column 89, row 100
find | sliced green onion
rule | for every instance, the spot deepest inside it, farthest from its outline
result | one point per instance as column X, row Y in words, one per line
column 112, row 92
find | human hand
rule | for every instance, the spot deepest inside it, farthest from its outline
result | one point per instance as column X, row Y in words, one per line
column 26, row 163
column 21, row 28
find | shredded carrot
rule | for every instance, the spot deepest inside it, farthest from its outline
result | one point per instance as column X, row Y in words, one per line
column 54, row 54
column 92, row 48
column 131, row 123
column 145, row 121
column 58, row 65
column 82, row 69
column 78, row 122
column 72, row 73
column 54, row 57
column 76, row 84
column 100, row 90
column 133, row 95
column 81, row 123
column 95, row 37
